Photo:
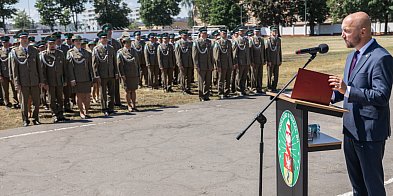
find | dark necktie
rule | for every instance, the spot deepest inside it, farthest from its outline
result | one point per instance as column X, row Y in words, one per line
column 353, row 63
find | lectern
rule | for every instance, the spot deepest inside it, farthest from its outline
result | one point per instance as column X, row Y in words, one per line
column 293, row 144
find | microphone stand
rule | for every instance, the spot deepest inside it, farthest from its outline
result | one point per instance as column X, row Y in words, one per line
column 261, row 118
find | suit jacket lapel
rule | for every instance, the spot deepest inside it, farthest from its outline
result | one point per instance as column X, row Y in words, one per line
column 363, row 59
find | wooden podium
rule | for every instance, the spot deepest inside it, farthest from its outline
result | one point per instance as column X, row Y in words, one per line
column 293, row 144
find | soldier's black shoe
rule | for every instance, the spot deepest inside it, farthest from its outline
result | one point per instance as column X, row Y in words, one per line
column 63, row 119
column 201, row 99
column 36, row 122
column 26, row 123
column 106, row 114
column 69, row 111
column 8, row 106
column 55, row 120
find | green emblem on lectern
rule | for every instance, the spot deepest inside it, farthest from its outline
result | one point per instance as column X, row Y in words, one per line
column 288, row 148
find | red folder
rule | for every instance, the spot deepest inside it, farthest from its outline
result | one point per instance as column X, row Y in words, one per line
column 312, row 86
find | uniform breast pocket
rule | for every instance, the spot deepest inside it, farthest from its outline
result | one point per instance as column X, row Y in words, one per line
column 361, row 80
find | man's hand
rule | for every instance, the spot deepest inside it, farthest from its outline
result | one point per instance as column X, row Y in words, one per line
column 337, row 83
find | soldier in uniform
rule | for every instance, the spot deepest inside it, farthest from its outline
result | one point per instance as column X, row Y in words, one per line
column 175, row 69
column 241, row 60
column 52, row 63
column 68, row 41
column 183, row 54
column 80, row 75
column 128, row 63
column 152, row 61
column 222, row 56
column 201, row 55
column 67, row 89
column 258, row 59
column 138, row 45
column 116, row 46
column 5, row 74
column 41, row 46
column 165, row 55
column 95, row 92
column 273, row 58
column 105, row 72
column 27, row 75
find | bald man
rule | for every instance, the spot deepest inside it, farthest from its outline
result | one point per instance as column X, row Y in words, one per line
column 365, row 90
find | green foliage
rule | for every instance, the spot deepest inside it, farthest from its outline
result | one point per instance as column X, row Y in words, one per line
column 74, row 8
column 112, row 11
column 159, row 12
column 274, row 12
column 22, row 20
column 49, row 12
column 64, row 18
column 203, row 7
column 341, row 8
column 6, row 11
column 225, row 12
column 317, row 12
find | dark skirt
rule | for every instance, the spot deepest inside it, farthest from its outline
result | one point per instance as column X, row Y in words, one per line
column 82, row 87
column 131, row 83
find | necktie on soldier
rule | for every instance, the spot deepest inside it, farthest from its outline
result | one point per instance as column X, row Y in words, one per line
column 26, row 50
column 353, row 63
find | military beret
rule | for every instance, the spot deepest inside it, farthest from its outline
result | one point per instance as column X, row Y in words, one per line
column 50, row 39
column 22, row 33
column 107, row 27
column 215, row 33
column 102, row 34
column 151, row 35
column 126, row 39
column 183, row 32
column 92, row 43
column 76, row 37
column 5, row 38
column 171, row 36
column 273, row 28
column 40, row 44
column 57, row 34
column 31, row 39
column 249, row 33
column 159, row 36
column 165, row 35
column 124, row 34
column 68, row 35
column 223, row 29
column 203, row 30
column 136, row 33
column 85, row 41
column 241, row 28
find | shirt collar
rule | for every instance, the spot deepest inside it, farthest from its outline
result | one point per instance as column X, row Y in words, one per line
column 364, row 48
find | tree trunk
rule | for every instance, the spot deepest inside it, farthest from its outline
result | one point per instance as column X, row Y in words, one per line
column 386, row 23
column 76, row 22
column 5, row 30
column 312, row 25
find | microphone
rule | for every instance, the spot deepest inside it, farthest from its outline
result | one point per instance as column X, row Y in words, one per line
column 322, row 48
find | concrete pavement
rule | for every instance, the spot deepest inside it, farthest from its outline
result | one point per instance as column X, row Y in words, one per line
column 185, row 150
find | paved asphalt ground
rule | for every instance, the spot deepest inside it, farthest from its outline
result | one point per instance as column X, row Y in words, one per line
column 178, row 151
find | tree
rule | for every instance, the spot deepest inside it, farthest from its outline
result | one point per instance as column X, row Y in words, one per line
column 75, row 7
column 224, row 12
column 190, row 5
column 381, row 10
column 49, row 12
column 112, row 11
column 64, row 18
column 274, row 12
column 341, row 8
column 203, row 9
column 6, row 11
column 316, row 12
column 159, row 12
column 22, row 20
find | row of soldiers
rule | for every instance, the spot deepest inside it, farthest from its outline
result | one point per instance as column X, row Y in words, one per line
column 66, row 71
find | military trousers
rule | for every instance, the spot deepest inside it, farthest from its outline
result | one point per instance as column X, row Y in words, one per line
column 241, row 78
column 25, row 93
column 204, row 83
column 176, row 75
column 55, row 96
column 256, row 77
column 233, row 80
column 107, row 92
column 185, row 78
column 117, row 92
column 67, row 91
column 224, row 81
column 154, row 72
column 144, row 75
column 167, row 78
column 272, row 76
column 5, row 89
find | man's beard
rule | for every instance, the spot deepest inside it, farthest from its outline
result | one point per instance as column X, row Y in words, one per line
column 352, row 44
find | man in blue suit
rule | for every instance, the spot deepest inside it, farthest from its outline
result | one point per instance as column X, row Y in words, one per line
column 365, row 90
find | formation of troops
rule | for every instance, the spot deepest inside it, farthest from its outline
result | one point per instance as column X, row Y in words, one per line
column 60, row 73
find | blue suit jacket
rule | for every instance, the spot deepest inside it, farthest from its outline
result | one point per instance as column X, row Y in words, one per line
column 368, row 118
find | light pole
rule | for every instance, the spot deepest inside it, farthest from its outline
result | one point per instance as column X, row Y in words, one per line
column 305, row 17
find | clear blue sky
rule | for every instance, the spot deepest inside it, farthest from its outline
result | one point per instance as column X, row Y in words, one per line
column 28, row 5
